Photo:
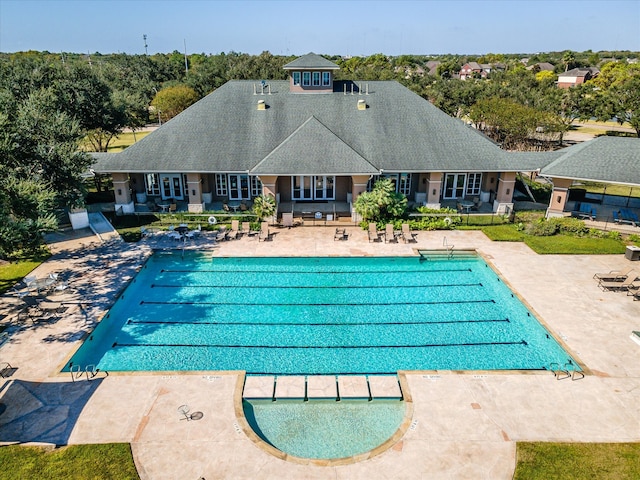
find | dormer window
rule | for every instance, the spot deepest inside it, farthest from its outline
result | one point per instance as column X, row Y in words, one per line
column 296, row 78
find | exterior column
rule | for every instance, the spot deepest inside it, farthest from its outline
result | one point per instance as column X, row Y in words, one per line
column 559, row 197
column 504, row 196
column 122, row 191
column 434, row 186
column 269, row 183
column 358, row 185
column 194, row 189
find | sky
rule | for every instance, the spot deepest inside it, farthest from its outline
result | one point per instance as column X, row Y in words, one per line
column 333, row 27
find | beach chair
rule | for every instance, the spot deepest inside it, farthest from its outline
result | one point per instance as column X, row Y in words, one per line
column 264, row 232
column 173, row 208
column 5, row 369
column 614, row 275
column 221, row 235
column 407, row 235
column 389, row 234
column 233, row 233
column 618, row 286
column 374, row 236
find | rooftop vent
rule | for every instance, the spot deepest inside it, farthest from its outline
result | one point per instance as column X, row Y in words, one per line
column 362, row 105
column 261, row 105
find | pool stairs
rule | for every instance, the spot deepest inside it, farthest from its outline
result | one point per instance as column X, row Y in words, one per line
column 569, row 370
column 90, row 371
column 331, row 390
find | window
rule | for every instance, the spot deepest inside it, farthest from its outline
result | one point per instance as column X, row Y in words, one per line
column 326, row 79
column 296, row 78
column 221, row 185
column 152, row 182
column 306, row 79
column 474, row 182
column 404, row 185
column 256, row 187
column 185, row 185
column 316, row 79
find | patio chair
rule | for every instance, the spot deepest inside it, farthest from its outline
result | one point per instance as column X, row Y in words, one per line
column 374, row 236
column 173, row 208
column 618, row 286
column 389, row 234
column 225, row 207
column 407, row 235
column 233, row 233
column 5, row 369
column 264, row 232
column 287, row 219
column 243, row 207
column 614, row 275
column 341, row 234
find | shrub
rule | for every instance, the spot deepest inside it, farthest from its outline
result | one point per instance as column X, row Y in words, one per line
column 542, row 228
column 571, row 226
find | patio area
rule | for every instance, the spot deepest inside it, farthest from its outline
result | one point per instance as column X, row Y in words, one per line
column 464, row 424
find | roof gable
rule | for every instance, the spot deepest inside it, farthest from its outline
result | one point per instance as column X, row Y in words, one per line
column 311, row 61
column 313, row 149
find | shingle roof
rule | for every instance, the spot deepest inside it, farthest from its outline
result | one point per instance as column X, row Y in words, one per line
column 309, row 61
column 603, row 159
column 398, row 131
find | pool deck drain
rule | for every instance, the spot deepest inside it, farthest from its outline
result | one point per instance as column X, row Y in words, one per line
column 448, row 437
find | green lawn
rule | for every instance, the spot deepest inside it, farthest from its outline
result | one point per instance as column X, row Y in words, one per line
column 76, row 462
column 555, row 244
column 577, row 461
column 13, row 272
column 124, row 140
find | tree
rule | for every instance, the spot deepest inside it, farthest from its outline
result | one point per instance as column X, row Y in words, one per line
column 382, row 203
column 264, row 206
column 40, row 169
column 171, row 101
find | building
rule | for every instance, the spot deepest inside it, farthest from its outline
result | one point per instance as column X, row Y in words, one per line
column 576, row 76
column 313, row 139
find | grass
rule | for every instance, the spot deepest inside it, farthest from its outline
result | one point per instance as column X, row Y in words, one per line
column 81, row 462
column 611, row 189
column 555, row 244
column 124, row 140
column 577, row 461
column 11, row 273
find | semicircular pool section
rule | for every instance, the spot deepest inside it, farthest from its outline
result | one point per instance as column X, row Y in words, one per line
column 324, row 429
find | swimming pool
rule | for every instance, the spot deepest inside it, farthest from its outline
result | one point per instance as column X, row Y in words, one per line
column 318, row 315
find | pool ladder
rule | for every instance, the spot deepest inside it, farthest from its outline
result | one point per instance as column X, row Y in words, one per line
column 569, row 370
column 448, row 247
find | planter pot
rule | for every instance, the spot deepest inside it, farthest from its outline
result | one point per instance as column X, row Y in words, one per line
column 79, row 218
column 141, row 197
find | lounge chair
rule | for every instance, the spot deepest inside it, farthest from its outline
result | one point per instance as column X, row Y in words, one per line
column 389, row 234
column 5, row 369
column 264, row 232
column 233, row 233
column 407, row 235
column 221, row 235
column 37, row 309
column 287, row 219
column 617, row 286
column 341, row 234
column 614, row 275
column 374, row 236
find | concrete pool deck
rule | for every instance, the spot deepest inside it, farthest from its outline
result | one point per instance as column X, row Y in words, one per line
column 464, row 425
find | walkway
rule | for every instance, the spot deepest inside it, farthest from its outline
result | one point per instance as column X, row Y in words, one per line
column 464, row 425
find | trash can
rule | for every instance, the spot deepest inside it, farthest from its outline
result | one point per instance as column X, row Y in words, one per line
column 632, row 253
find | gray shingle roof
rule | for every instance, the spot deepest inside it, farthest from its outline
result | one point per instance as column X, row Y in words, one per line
column 309, row 61
column 603, row 159
column 398, row 132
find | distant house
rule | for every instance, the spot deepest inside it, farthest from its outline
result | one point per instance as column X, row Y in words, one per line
column 577, row 76
column 541, row 67
column 478, row 70
column 432, row 66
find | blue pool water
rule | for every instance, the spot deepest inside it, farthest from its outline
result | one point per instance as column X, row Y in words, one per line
column 318, row 315
column 322, row 428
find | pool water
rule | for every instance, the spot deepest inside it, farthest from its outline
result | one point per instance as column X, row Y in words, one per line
column 318, row 315
column 324, row 429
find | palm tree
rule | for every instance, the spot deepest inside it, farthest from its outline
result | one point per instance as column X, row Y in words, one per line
column 264, row 206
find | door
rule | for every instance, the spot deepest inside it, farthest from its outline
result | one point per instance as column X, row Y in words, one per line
column 301, row 188
column 454, row 185
column 172, row 186
column 238, row 187
column 324, row 188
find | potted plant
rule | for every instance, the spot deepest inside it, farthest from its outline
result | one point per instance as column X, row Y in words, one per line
column 264, row 206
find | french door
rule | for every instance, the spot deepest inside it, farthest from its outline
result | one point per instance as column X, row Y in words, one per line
column 454, row 184
column 238, row 187
column 172, row 186
column 310, row 187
